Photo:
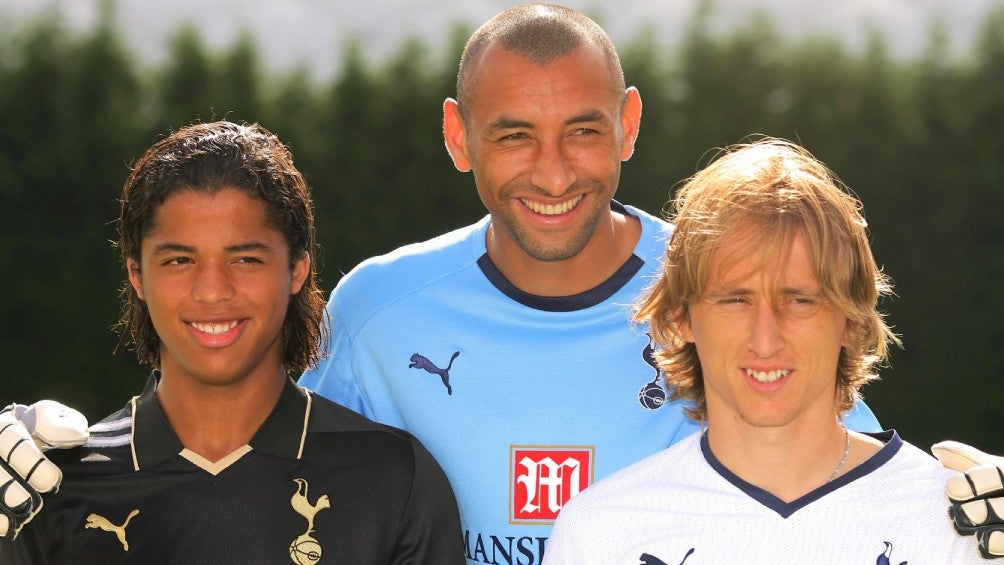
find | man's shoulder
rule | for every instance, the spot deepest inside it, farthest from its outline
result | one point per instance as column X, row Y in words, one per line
column 108, row 447
column 387, row 279
column 329, row 417
column 655, row 234
column 414, row 264
column 646, row 476
column 340, row 437
column 413, row 256
column 912, row 459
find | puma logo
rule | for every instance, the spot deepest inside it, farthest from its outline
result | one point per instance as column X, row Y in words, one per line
column 96, row 521
column 421, row 362
column 647, row 559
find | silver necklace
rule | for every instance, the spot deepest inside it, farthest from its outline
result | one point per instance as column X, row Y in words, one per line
column 843, row 458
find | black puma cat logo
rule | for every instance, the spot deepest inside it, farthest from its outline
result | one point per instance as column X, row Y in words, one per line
column 421, row 362
column 648, row 559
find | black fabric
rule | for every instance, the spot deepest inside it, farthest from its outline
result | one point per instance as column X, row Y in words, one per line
column 373, row 493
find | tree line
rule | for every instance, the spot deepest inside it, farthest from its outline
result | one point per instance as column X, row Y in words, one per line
column 920, row 140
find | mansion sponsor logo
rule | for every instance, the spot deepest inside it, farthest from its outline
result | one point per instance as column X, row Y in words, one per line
column 543, row 478
column 503, row 550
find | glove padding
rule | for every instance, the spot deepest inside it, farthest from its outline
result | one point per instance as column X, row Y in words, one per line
column 977, row 494
column 25, row 473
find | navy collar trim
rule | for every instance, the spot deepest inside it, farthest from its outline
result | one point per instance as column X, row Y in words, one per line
column 890, row 438
column 580, row 301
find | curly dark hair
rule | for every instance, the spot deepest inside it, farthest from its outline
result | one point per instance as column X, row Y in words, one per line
column 207, row 158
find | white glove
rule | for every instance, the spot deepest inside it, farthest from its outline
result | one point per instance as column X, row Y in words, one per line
column 977, row 494
column 25, row 431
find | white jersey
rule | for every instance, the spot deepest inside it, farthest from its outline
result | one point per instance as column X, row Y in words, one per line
column 681, row 506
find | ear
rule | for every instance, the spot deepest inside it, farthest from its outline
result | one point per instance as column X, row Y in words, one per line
column 135, row 277
column 850, row 335
column 630, row 121
column 455, row 135
column 301, row 270
column 681, row 320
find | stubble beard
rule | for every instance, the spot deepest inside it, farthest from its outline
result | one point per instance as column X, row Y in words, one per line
column 546, row 249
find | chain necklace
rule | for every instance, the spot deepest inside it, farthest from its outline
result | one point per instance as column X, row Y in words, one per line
column 843, row 458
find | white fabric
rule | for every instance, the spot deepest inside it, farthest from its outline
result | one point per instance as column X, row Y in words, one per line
column 682, row 506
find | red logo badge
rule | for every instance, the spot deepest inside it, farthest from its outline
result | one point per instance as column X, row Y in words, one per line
column 543, row 478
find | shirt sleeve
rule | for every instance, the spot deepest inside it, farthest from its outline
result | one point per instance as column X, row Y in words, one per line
column 562, row 547
column 334, row 376
column 860, row 418
column 431, row 532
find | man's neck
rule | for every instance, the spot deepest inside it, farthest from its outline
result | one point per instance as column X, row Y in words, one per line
column 213, row 421
column 609, row 248
column 790, row 462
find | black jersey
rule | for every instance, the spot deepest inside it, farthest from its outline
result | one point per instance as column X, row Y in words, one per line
column 316, row 484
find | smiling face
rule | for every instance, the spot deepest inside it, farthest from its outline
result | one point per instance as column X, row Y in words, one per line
column 545, row 144
column 768, row 341
column 216, row 280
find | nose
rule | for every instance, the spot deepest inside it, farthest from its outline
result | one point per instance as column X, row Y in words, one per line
column 766, row 338
column 212, row 284
column 552, row 170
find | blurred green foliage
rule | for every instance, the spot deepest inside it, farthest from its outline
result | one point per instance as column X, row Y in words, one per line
column 921, row 141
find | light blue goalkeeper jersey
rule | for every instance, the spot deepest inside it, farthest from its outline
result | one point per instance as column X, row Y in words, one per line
column 524, row 400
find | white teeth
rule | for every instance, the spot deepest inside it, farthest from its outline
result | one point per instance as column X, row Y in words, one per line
column 214, row 329
column 551, row 209
column 767, row 376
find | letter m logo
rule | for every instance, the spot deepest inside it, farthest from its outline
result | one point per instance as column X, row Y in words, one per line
column 543, row 478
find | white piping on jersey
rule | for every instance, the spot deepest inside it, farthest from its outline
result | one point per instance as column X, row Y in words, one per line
column 132, row 437
column 122, row 426
column 306, row 421
column 114, row 425
column 112, row 441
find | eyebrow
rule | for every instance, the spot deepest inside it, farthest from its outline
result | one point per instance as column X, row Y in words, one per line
column 165, row 248
column 245, row 247
column 513, row 123
column 724, row 290
column 508, row 123
column 587, row 117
